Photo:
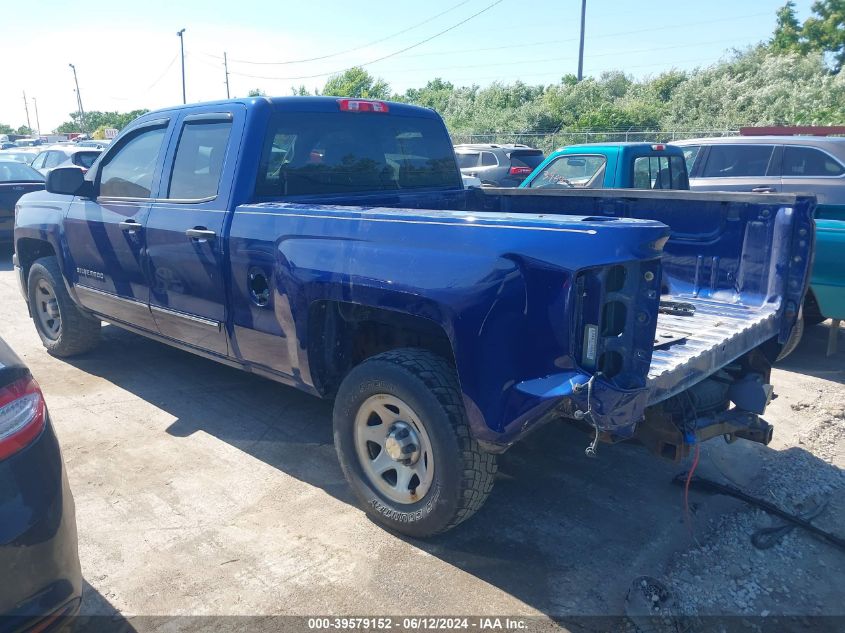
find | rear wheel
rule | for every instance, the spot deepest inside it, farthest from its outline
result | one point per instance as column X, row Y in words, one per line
column 65, row 330
column 404, row 444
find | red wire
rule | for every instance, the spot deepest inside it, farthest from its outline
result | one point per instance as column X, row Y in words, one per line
column 686, row 489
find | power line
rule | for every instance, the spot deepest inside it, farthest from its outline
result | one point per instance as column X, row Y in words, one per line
column 378, row 59
column 349, row 50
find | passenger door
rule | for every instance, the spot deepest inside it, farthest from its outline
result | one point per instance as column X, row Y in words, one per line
column 105, row 235
column 737, row 167
column 811, row 170
column 184, row 231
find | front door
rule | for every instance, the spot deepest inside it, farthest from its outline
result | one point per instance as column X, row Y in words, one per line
column 105, row 235
column 184, row 230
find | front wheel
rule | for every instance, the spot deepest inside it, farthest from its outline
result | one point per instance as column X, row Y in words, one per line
column 404, row 444
column 65, row 330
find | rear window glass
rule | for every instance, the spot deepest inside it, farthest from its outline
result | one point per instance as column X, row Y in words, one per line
column 199, row 160
column 526, row 159
column 806, row 161
column 85, row 159
column 660, row 172
column 466, row 161
column 733, row 161
column 584, row 172
column 307, row 153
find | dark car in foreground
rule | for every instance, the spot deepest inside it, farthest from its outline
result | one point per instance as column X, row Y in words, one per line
column 16, row 179
column 40, row 577
column 497, row 165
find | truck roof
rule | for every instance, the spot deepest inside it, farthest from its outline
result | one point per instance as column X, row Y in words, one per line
column 618, row 146
column 300, row 104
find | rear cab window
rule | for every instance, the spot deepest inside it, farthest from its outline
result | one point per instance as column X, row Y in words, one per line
column 314, row 153
column 660, row 172
column 582, row 171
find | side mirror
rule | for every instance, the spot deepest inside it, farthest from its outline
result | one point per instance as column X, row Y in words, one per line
column 68, row 181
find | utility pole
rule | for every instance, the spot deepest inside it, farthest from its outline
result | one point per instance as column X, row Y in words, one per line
column 182, row 49
column 226, row 66
column 78, row 100
column 37, row 120
column 26, row 107
column 581, row 45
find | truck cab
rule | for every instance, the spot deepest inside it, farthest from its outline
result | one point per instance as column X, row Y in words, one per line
column 611, row 166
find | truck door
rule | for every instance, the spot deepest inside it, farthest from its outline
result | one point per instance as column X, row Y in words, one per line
column 105, row 235
column 184, row 231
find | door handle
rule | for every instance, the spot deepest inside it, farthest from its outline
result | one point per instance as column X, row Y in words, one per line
column 129, row 225
column 763, row 190
column 200, row 234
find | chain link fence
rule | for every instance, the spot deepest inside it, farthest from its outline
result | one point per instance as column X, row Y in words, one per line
column 548, row 141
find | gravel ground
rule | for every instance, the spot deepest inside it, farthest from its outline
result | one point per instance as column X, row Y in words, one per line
column 204, row 491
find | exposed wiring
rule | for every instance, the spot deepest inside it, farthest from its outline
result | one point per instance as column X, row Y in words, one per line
column 687, row 518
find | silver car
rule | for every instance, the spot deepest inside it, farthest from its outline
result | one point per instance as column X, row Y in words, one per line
column 768, row 164
column 64, row 156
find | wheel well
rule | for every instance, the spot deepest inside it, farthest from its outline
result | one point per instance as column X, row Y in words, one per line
column 342, row 335
column 29, row 250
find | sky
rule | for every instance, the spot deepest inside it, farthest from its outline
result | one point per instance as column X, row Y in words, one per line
column 127, row 54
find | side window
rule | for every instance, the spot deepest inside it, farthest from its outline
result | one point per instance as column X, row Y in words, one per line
column 199, row 159
column 488, row 159
column 806, row 161
column 53, row 159
column 583, row 172
column 467, row 160
column 128, row 173
column 690, row 154
column 38, row 163
column 733, row 161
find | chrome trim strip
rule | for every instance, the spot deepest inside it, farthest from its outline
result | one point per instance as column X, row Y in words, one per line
column 189, row 317
column 109, row 295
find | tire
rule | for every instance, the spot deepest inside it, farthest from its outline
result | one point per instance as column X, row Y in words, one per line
column 70, row 331
column 453, row 475
column 794, row 339
column 811, row 311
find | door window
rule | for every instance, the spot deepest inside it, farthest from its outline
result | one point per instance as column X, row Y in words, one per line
column 199, row 160
column 737, row 161
column 128, row 173
column 690, row 154
column 806, row 161
column 53, row 159
column 467, row 160
column 488, row 159
column 585, row 172
column 38, row 163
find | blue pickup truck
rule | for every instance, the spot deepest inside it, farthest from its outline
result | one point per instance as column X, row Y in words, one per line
column 329, row 244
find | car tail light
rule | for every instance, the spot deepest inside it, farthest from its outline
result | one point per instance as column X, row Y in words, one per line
column 22, row 415
column 520, row 171
column 357, row 105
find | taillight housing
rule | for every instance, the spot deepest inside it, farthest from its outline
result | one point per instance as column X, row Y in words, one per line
column 360, row 105
column 520, row 171
column 22, row 415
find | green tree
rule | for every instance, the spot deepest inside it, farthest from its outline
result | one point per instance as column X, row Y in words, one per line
column 24, row 131
column 787, row 35
column 96, row 119
column 6, row 129
column 256, row 92
column 825, row 30
column 356, row 82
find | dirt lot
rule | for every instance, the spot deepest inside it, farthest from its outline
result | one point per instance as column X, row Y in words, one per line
column 202, row 490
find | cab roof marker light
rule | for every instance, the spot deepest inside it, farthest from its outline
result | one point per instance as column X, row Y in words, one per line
column 361, row 105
